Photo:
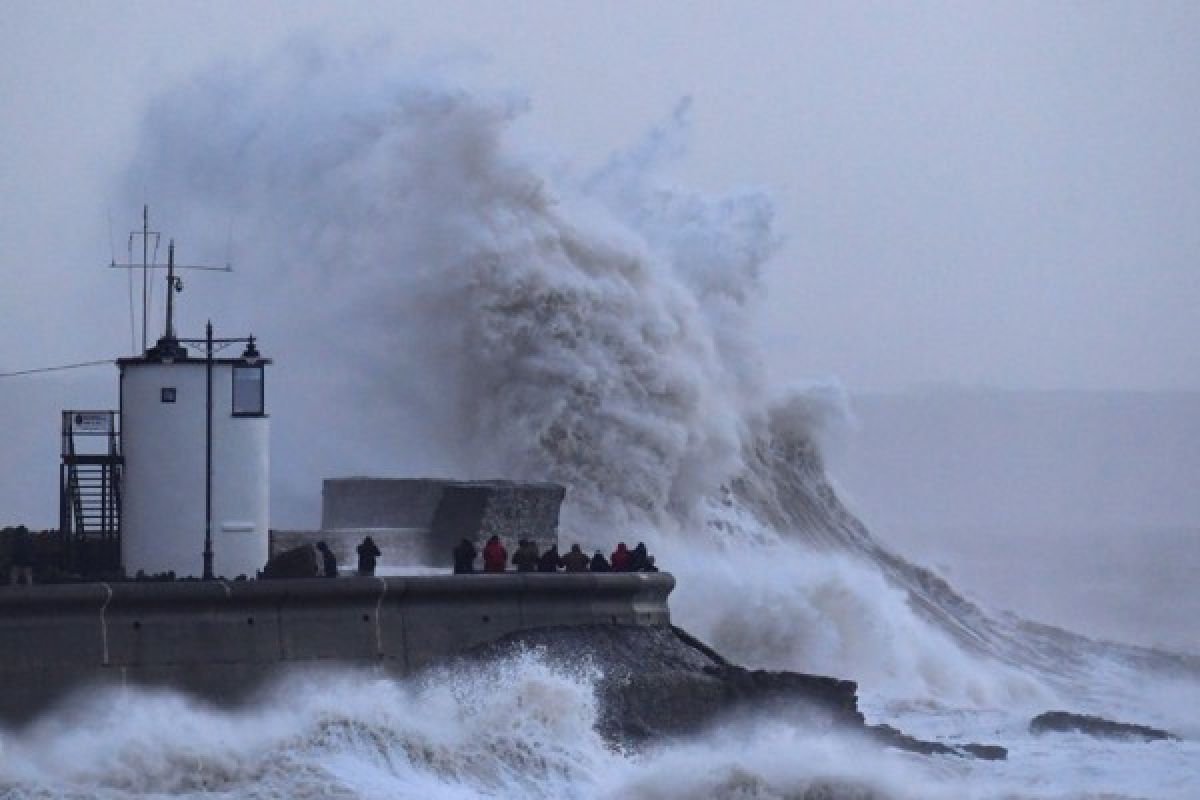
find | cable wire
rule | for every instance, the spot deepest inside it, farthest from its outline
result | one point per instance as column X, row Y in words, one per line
column 55, row 369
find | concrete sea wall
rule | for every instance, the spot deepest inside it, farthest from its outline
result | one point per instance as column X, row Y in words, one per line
column 224, row 639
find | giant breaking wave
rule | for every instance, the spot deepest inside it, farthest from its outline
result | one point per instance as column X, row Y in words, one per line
column 477, row 310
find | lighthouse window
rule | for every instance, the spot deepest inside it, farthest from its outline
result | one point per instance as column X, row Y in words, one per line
column 248, row 390
column 168, row 394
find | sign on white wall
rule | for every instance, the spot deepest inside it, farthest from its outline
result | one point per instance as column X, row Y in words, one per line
column 90, row 421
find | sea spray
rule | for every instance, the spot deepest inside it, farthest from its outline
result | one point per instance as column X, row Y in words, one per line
column 512, row 728
column 478, row 314
column 487, row 320
column 439, row 305
column 827, row 613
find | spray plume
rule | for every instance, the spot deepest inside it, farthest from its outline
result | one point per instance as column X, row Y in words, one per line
column 440, row 306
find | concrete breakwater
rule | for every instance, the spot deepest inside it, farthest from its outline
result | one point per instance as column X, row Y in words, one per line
column 224, row 639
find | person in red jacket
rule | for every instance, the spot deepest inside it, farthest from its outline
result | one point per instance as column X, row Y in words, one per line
column 495, row 556
column 620, row 558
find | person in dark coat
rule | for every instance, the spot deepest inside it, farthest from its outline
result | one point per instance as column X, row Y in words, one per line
column 495, row 555
column 329, row 560
column 368, row 551
column 649, row 565
column 550, row 560
column 620, row 558
column 637, row 558
column 464, row 557
column 23, row 557
column 575, row 560
column 600, row 563
column 526, row 557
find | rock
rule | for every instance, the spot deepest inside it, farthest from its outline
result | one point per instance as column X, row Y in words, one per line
column 1066, row 722
column 760, row 688
column 891, row 737
column 986, row 752
column 660, row 682
column 299, row 562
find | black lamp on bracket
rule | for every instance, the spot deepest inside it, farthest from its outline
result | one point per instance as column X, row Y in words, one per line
column 251, row 355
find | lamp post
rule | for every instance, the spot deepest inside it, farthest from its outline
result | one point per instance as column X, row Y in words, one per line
column 251, row 356
column 208, row 371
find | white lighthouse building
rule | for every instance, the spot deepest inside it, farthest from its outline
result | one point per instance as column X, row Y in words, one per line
column 194, row 439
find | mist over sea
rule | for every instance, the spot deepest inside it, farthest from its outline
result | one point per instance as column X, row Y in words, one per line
column 1075, row 508
column 441, row 299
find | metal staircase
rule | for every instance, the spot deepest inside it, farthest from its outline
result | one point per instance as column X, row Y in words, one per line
column 90, row 491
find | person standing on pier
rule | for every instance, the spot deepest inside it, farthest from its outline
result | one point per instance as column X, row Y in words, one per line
column 329, row 559
column 464, row 558
column 550, row 560
column 526, row 557
column 22, row 556
column 367, row 553
column 495, row 555
column 575, row 560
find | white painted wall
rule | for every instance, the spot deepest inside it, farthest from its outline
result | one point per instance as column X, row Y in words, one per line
column 163, row 502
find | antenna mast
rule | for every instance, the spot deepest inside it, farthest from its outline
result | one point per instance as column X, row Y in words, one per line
column 145, row 233
column 174, row 283
column 145, row 266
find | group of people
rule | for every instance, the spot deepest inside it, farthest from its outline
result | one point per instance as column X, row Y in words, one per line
column 526, row 558
column 368, row 554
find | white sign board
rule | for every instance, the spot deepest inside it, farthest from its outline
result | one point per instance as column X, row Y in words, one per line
column 90, row 421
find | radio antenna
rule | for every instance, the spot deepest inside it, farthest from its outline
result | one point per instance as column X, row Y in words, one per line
column 174, row 284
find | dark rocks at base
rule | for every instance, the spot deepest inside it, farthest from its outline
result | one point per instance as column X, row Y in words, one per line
column 986, row 752
column 660, row 682
column 837, row 699
column 891, row 737
column 1066, row 722
column 299, row 562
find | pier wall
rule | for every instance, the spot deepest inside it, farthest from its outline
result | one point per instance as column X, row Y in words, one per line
column 224, row 639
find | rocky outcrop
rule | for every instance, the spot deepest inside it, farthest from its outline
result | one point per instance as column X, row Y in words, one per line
column 661, row 681
column 1066, row 722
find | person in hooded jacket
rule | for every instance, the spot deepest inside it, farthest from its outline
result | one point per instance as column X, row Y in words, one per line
column 526, row 557
column 368, row 551
column 464, row 557
column 600, row 563
column 328, row 559
column 575, row 560
column 637, row 558
column 620, row 558
column 495, row 555
column 550, row 560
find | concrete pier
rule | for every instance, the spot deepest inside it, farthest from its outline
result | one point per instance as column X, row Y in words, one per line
column 224, row 639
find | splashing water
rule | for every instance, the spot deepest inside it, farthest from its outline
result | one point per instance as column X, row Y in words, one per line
column 492, row 317
column 513, row 728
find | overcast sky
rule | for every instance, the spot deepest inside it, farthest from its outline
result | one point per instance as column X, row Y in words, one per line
column 976, row 194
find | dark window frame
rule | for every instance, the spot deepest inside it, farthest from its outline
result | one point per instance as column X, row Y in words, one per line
column 262, row 390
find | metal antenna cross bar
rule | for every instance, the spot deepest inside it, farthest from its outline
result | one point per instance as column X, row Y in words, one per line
column 173, row 284
column 226, row 268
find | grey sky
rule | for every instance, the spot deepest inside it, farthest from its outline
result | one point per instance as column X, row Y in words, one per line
column 1001, row 194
